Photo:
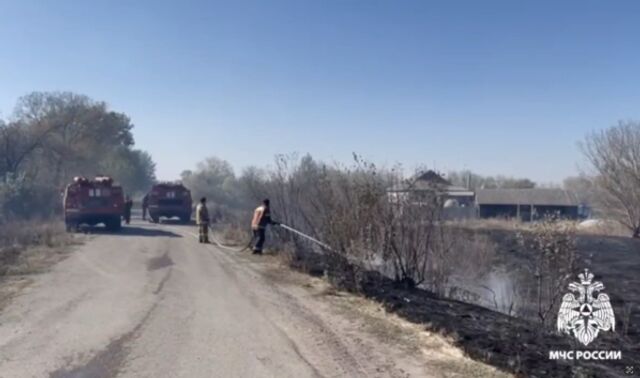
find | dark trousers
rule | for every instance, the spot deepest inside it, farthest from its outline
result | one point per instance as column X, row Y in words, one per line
column 258, row 236
column 127, row 217
column 203, row 233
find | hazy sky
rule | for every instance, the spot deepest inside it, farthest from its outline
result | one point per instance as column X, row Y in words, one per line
column 499, row 87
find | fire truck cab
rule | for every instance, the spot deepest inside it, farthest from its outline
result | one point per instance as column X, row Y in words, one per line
column 92, row 202
column 169, row 200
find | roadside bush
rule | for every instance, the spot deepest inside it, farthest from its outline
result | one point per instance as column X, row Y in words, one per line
column 18, row 237
column 553, row 245
column 30, row 233
column 351, row 209
column 23, row 199
column 458, row 257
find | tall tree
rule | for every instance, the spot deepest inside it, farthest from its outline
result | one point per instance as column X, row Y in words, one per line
column 53, row 136
column 133, row 169
column 614, row 154
column 76, row 131
column 215, row 179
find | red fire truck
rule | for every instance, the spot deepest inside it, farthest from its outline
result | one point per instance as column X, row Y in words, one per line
column 169, row 200
column 92, row 202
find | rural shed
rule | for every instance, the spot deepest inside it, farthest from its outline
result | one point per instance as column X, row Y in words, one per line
column 526, row 204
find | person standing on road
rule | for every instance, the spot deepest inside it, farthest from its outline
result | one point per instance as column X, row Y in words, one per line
column 128, row 204
column 145, row 206
column 202, row 220
column 261, row 219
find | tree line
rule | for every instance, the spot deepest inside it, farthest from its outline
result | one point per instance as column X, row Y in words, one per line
column 50, row 137
column 609, row 184
column 473, row 181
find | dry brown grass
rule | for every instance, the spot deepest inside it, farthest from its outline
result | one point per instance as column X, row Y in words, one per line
column 289, row 255
column 602, row 228
column 511, row 224
column 605, row 228
column 490, row 224
column 233, row 234
column 27, row 247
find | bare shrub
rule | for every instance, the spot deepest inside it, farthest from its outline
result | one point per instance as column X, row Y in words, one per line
column 406, row 230
column 461, row 259
column 353, row 211
column 553, row 245
column 351, row 204
column 427, row 251
column 412, row 235
column 336, row 204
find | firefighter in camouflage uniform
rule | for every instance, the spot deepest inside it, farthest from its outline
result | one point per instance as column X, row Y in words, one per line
column 202, row 220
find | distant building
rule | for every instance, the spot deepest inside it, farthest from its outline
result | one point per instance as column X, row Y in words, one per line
column 526, row 204
column 462, row 203
column 458, row 202
column 430, row 181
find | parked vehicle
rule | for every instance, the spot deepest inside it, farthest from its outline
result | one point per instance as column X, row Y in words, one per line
column 169, row 200
column 93, row 202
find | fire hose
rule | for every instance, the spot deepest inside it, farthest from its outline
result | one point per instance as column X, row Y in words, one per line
column 283, row 226
column 310, row 238
column 229, row 248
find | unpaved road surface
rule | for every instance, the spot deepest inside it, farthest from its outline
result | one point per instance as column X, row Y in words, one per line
column 152, row 302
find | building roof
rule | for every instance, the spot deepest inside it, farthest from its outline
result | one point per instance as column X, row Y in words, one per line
column 425, row 181
column 537, row 196
column 455, row 192
column 432, row 177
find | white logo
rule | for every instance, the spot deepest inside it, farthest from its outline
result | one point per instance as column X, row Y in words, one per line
column 586, row 315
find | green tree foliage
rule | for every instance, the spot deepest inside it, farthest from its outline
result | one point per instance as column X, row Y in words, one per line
column 53, row 136
column 133, row 169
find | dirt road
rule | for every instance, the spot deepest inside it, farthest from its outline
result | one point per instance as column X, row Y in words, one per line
column 152, row 302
